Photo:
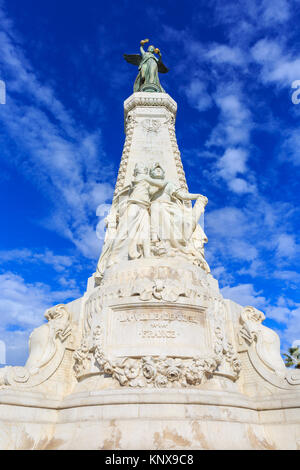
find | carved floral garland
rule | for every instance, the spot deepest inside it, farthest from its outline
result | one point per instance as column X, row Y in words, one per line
column 157, row 371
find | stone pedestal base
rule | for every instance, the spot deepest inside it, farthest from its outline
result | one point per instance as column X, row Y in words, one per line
column 149, row 419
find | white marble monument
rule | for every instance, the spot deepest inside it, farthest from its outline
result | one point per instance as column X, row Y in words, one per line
column 152, row 356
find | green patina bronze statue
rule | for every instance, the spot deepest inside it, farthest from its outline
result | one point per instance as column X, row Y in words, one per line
column 149, row 66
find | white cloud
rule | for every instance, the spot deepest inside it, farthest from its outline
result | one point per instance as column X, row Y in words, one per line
column 58, row 262
column 62, row 158
column 275, row 12
column 232, row 162
column 244, row 294
column 278, row 313
column 290, row 146
column 287, row 275
column 235, row 122
column 277, row 65
column 292, row 331
column 250, row 236
column 227, row 222
column 197, row 95
column 286, row 245
column 266, row 51
column 221, row 53
column 22, row 308
column 240, row 186
column 285, row 311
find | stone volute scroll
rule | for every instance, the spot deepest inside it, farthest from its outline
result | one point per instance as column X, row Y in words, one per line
column 263, row 347
column 47, row 345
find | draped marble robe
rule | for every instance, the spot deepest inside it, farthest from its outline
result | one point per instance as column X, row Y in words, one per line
column 148, row 72
column 131, row 238
column 175, row 225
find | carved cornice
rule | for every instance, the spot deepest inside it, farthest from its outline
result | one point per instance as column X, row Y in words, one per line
column 150, row 99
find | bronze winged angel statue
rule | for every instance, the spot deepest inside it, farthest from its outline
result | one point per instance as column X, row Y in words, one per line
column 149, row 65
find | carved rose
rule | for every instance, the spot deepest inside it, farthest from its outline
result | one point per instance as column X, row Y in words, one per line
column 171, row 368
column 149, row 369
column 173, row 373
column 161, row 381
column 211, row 364
column 194, row 372
column 81, row 357
column 132, row 368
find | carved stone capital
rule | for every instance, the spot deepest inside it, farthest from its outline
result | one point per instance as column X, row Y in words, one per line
column 150, row 99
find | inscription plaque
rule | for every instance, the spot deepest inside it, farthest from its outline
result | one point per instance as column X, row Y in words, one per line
column 154, row 330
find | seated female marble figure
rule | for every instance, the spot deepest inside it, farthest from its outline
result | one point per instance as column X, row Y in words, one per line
column 129, row 235
column 174, row 224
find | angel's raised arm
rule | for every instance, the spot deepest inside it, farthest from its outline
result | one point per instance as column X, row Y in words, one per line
column 141, row 46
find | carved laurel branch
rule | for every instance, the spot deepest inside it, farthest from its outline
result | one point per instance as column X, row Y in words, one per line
column 155, row 285
column 129, row 127
column 151, row 125
column 158, row 290
column 224, row 349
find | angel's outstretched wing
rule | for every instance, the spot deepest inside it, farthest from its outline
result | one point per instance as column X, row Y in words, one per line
column 134, row 59
column 161, row 67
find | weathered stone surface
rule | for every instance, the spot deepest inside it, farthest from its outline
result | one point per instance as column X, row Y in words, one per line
column 152, row 356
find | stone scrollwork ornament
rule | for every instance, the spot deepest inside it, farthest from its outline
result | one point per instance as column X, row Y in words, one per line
column 151, row 125
column 263, row 346
column 47, row 345
column 229, row 363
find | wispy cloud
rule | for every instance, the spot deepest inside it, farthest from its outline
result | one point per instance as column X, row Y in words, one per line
column 277, row 65
column 21, row 309
column 62, row 157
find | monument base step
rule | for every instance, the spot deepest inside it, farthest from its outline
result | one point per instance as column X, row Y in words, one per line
column 149, row 419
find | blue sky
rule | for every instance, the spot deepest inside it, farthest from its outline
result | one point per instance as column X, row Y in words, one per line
column 232, row 65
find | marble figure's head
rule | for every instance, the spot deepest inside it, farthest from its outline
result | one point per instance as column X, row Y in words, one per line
column 157, row 172
column 140, row 169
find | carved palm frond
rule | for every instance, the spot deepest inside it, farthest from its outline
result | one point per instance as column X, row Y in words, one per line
column 292, row 358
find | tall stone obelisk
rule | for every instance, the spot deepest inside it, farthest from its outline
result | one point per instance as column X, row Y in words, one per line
column 164, row 302
column 151, row 356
